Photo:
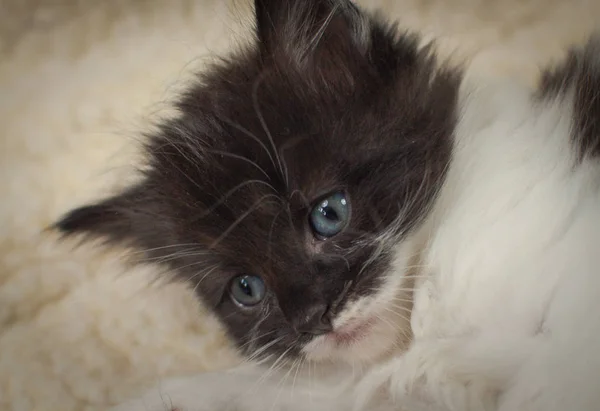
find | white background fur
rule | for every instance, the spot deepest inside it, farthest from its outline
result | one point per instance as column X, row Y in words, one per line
column 78, row 78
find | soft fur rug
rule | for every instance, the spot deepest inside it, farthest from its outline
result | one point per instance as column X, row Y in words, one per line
column 78, row 79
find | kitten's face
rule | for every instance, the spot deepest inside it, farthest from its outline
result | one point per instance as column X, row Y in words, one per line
column 286, row 191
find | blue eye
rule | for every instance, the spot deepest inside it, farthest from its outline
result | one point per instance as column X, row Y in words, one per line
column 330, row 215
column 247, row 290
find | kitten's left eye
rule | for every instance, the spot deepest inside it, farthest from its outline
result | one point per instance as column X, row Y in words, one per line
column 330, row 215
column 247, row 290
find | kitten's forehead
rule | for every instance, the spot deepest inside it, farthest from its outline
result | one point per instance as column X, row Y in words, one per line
column 332, row 114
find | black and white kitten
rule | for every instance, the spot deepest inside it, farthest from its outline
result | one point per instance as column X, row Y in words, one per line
column 340, row 200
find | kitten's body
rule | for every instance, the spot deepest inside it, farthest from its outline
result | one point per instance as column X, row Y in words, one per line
column 506, row 316
column 496, row 195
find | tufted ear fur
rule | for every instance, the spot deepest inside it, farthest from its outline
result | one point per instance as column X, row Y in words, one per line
column 299, row 29
column 132, row 217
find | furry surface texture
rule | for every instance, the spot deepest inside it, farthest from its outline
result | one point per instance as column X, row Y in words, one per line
column 79, row 79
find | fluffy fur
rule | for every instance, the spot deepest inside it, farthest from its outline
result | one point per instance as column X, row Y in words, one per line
column 507, row 282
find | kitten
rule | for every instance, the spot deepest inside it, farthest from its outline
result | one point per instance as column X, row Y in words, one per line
column 346, row 205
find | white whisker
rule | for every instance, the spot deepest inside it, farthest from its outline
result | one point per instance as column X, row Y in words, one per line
column 249, row 134
column 242, row 158
column 162, row 247
column 264, row 125
column 230, row 192
column 203, row 277
column 241, row 218
column 314, row 42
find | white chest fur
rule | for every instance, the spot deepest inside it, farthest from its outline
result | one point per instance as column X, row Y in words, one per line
column 510, row 307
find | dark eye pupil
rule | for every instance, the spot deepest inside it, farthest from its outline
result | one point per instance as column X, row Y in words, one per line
column 245, row 287
column 329, row 213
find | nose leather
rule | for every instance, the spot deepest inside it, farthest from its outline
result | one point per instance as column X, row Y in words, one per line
column 315, row 320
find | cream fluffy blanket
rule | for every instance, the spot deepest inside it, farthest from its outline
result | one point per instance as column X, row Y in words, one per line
column 78, row 79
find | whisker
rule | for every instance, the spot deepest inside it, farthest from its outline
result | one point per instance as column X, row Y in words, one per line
column 302, row 197
column 335, row 303
column 336, row 256
column 270, row 242
column 385, row 320
column 408, row 310
column 188, row 159
column 314, row 42
column 396, row 313
column 254, row 339
column 162, row 247
column 242, row 158
column 232, row 191
column 290, row 218
column 296, row 376
column 276, row 366
column 252, row 208
column 265, row 347
column 311, row 380
column 385, row 289
column 248, row 134
column 264, row 124
column 210, row 267
column 282, row 383
column 203, row 277
column 173, row 256
column 264, row 315
column 403, row 300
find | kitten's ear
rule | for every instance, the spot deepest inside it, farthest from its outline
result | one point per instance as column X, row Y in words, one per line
column 301, row 26
column 122, row 218
column 268, row 13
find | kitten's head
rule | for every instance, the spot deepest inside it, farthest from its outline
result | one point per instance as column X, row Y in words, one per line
column 287, row 190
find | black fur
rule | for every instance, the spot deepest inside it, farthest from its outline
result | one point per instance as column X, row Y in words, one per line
column 578, row 76
column 329, row 98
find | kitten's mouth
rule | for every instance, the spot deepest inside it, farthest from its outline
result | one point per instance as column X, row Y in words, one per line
column 352, row 332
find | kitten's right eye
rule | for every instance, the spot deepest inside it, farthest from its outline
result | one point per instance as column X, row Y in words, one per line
column 330, row 215
column 247, row 290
